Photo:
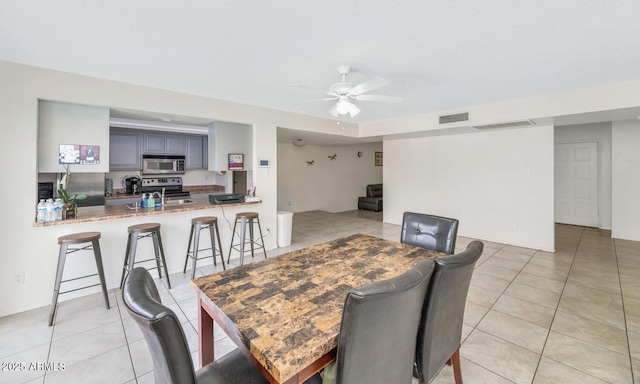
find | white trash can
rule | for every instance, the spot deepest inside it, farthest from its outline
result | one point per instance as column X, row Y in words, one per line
column 285, row 224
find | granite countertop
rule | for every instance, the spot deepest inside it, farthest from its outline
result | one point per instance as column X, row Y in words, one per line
column 109, row 212
column 287, row 310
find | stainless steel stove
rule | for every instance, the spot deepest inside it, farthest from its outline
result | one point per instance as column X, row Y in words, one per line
column 172, row 186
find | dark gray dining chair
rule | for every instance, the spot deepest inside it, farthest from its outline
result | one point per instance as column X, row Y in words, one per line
column 429, row 231
column 379, row 327
column 165, row 338
column 440, row 328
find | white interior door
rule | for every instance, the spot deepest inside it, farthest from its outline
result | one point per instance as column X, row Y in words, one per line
column 576, row 184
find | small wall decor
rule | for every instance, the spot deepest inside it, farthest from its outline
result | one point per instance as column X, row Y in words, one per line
column 378, row 159
column 332, row 157
column 90, row 154
column 310, row 162
column 359, row 154
column 236, row 161
column 79, row 154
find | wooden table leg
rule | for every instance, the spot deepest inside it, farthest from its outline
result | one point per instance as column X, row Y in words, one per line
column 205, row 335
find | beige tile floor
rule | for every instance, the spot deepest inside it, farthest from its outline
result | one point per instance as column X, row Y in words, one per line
column 572, row 316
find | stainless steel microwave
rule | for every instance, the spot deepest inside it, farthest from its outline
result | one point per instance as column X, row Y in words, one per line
column 162, row 164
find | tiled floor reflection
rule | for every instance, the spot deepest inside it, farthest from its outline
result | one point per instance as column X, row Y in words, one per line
column 572, row 316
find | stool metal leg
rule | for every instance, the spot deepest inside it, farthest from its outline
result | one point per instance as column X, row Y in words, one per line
column 130, row 256
column 186, row 259
column 56, row 287
column 214, row 227
column 243, row 233
column 98, row 256
column 158, row 246
column 233, row 234
column 196, row 245
column 251, row 240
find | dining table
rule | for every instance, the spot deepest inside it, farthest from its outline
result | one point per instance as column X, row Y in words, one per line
column 284, row 312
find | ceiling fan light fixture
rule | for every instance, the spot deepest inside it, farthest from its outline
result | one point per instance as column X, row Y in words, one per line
column 353, row 110
column 343, row 106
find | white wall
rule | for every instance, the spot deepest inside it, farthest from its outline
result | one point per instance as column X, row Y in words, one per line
column 499, row 184
column 625, row 146
column 327, row 185
column 601, row 134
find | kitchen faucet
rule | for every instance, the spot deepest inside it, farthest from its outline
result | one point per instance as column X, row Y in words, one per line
column 162, row 199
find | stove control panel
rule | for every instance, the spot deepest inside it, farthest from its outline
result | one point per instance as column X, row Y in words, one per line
column 162, row 181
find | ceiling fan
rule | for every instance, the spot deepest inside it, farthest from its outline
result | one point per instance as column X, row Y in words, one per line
column 345, row 93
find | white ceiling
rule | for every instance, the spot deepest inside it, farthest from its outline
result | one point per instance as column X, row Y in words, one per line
column 439, row 55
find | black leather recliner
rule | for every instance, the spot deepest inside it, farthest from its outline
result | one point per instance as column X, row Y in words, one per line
column 166, row 341
column 373, row 200
column 429, row 231
column 441, row 323
column 379, row 328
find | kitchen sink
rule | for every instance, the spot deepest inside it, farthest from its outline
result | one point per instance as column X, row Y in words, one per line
column 167, row 203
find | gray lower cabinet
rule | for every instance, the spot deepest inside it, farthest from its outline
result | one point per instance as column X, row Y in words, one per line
column 124, row 150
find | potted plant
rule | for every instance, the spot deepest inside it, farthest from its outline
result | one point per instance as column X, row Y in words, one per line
column 70, row 206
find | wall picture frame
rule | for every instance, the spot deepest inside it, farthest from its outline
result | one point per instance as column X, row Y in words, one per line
column 236, row 161
column 378, row 159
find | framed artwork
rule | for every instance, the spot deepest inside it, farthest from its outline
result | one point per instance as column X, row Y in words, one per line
column 69, row 154
column 378, row 159
column 90, row 154
column 236, row 161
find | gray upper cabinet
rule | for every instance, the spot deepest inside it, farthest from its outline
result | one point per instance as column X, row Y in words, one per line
column 195, row 152
column 205, row 152
column 124, row 149
column 163, row 144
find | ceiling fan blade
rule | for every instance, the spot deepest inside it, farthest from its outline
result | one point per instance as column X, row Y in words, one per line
column 382, row 98
column 334, row 110
column 314, row 100
column 368, row 85
column 353, row 110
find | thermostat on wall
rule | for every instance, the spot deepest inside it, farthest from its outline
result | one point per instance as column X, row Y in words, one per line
column 263, row 163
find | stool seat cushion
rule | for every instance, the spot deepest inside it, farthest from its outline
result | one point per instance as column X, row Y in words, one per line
column 82, row 237
column 204, row 220
column 146, row 227
column 248, row 215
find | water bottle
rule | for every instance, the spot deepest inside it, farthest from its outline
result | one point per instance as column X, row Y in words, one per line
column 57, row 209
column 50, row 215
column 42, row 212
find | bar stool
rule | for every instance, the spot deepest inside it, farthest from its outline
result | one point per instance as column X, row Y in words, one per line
column 198, row 224
column 65, row 242
column 141, row 231
column 246, row 218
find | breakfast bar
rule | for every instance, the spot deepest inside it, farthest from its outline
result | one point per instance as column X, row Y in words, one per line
column 109, row 212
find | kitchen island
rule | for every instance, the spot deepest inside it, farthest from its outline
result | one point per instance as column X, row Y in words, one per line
column 121, row 211
column 112, row 222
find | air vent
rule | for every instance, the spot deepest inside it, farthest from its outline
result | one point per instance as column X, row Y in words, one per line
column 453, row 118
column 522, row 123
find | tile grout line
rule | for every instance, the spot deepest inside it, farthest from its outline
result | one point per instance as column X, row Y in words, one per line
column 556, row 309
column 624, row 312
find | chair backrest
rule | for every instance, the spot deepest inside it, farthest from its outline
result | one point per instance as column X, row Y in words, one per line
column 379, row 328
column 374, row 190
column 161, row 328
column 429, row 231
column 440, row 328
